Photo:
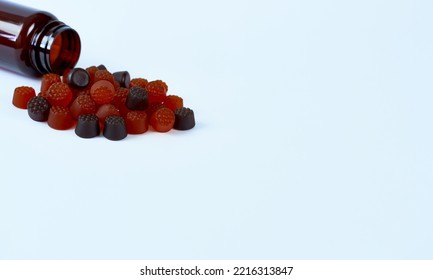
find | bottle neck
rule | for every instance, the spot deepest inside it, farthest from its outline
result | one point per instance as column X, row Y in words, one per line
column 54, row 48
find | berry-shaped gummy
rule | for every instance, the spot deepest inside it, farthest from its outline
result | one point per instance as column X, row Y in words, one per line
column 137, row 99
column 157, row 91
column 104, row 75
column 38, row 109
column 137, row 122
column 105, row 111
column 83, row 104
column 138, row 82
column 87, row 126
column 60, row 118
column 162, row 120
column 22, row 95
column 102, row 92
column 59, row 94
column 184, row 119
column 173, row 102
column 115, row 128
column 48, row 80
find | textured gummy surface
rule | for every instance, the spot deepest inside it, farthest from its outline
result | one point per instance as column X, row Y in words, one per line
column 38, row 109
column 157, row 91
column 87, row 126
column 105, row 111
column 153, row 107
column 136, row 122
column 22, row 95
column 104, row 75
column 138, row 82
column 60, row 118
column 115, row 128
column 173, row 102
column 137, row 99
column 120, row 94
column 102, row 92
column 83, row 104
column 184, row 119
column 48, row 80
column 59, row 94
column 162, row 120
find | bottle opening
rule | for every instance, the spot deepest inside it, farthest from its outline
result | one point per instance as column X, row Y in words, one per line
column 55, row 48
column 64, row 51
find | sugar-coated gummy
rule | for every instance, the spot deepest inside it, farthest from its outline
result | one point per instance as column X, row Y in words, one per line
column 87, row 126
column 38, row 109
column 184, row 119
column 137, row 99
column 22, row 95
column 115, row 128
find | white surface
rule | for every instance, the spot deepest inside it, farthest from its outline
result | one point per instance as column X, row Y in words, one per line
column 313, row 137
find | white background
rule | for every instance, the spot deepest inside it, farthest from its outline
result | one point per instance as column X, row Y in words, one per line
column 313, row 138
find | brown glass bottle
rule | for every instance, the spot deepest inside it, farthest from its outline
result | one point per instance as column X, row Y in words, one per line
column 35, row 42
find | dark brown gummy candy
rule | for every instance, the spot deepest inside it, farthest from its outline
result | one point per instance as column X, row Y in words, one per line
column 102, row 67
column 184, row 119
column 78, row 78
column 38, row 109
column 123, row 78
column 115, row 128
column 137, row 99
column 87, row 126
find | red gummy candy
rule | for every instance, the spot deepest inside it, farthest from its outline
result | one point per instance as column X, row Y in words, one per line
column 104, row 75
column 173, row 102
column 22, row 95
column 83, row 105
column 60, row 118
column 162, row 120
column 136, row 122
column 153, row 107
column 48, row 80
column 138, row 82
column 102, row 92
column 105, row 111
column 120, row 94
column 59, row 94
column 92, row 70
column 157, row 91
